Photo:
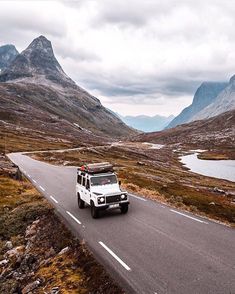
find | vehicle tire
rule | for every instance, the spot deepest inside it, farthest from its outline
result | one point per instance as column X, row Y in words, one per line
column 81, row 203
column 94, row 211
column 124, row 208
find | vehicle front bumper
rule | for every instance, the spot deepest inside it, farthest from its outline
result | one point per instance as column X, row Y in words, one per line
column 110, row 205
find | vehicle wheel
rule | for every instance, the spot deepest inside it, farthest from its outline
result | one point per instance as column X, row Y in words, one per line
column 124, row 209
column 94, row 211
column 81, row 203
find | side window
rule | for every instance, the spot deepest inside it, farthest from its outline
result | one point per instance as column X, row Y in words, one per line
column 79, row 179
column 88, row 184
column 83, row 181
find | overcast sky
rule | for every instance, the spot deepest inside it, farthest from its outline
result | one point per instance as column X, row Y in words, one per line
column 136, row 56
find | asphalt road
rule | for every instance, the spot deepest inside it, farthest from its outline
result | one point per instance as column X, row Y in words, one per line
column 153, row 248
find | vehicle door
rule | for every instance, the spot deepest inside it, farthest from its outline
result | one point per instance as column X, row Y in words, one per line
column 87, row 190
column 83, row 188
column 79, row 183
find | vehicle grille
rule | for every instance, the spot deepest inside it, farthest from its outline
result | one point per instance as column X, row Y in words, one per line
column 112, row 199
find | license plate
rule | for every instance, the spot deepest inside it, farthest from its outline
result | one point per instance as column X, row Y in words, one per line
column 114, row 206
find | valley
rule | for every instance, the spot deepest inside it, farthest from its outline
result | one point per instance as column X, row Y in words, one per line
column 45, row 117
column 157, row 174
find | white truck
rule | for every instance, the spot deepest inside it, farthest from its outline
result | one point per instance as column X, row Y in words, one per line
column 97, row 186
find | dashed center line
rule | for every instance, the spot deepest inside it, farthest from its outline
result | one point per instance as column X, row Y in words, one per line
column 115, row 256
column 34, row 181
column 137, row 197
column 73, row 217
column 196, row 219
column 41, row 188
column 53, row 199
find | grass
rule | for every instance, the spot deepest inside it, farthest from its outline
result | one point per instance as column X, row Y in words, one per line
column 14, row 140
column 20, row 205
column 75, row 271
column 224, row 154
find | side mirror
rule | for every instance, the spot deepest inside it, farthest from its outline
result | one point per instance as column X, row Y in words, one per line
column 120, row 183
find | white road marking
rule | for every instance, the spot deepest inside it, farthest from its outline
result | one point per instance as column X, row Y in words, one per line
column 137, row 197
column 29, row 176
column 115, row 256
column 196, row 219
column 53, row 199
column 34, row 181
column 73, row 217
column 162, row 206
column 41, row 188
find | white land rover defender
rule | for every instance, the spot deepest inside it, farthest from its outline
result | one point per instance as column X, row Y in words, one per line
column 97, row 185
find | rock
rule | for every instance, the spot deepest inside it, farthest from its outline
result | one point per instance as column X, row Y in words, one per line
column 212, row 203
column 141, row 163
column 55, row 290
column 30, row 231
column 3, row 262
column 50, row 252
column 217, row 190
column 8, row 245
column 63, row 251
column 15, row 252
column 30, row 287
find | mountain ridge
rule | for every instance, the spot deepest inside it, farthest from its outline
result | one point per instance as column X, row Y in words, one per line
column 214, row 132
column 37, row 60
column 35, row 81
column 147, row 123
column 225, row 101
column 204, row 95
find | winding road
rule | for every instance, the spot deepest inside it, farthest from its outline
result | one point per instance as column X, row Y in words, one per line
column 152, row 249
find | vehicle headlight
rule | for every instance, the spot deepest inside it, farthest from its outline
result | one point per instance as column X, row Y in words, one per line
column 101, row 200
column 123, row 196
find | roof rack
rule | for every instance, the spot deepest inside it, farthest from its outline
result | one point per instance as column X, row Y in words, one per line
column 95, row 168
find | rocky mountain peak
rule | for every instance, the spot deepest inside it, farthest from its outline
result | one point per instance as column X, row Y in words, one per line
column 204, row 96
column 7, row 55
column 232, row 80
column 40, row 43
column 37, row 63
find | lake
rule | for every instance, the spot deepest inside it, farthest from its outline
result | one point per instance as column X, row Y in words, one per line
column 221, row 169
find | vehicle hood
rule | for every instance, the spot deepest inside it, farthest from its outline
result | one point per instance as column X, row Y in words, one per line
column 106, row 189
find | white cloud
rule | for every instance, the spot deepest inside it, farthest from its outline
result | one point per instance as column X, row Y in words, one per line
column 137, row 56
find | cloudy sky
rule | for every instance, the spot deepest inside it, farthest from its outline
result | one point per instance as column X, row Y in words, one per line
column 137, row 57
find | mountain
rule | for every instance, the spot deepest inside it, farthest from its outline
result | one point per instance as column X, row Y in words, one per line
column 37, row 63
column 35, row 93
column 225, row 101
column 147, row 123
column 7, row 55
column 218, row 131
column 205, row 95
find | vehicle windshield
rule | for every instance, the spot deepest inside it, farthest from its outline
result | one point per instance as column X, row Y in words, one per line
column 103, row 180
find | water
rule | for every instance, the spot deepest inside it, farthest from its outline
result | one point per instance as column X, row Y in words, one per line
column 221, row 169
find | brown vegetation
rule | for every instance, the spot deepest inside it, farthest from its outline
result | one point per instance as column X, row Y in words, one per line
column 37, row 253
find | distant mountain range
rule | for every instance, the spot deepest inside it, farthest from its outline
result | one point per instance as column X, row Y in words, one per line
column 214, row 132
column 35, row 93
column 147, row 123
